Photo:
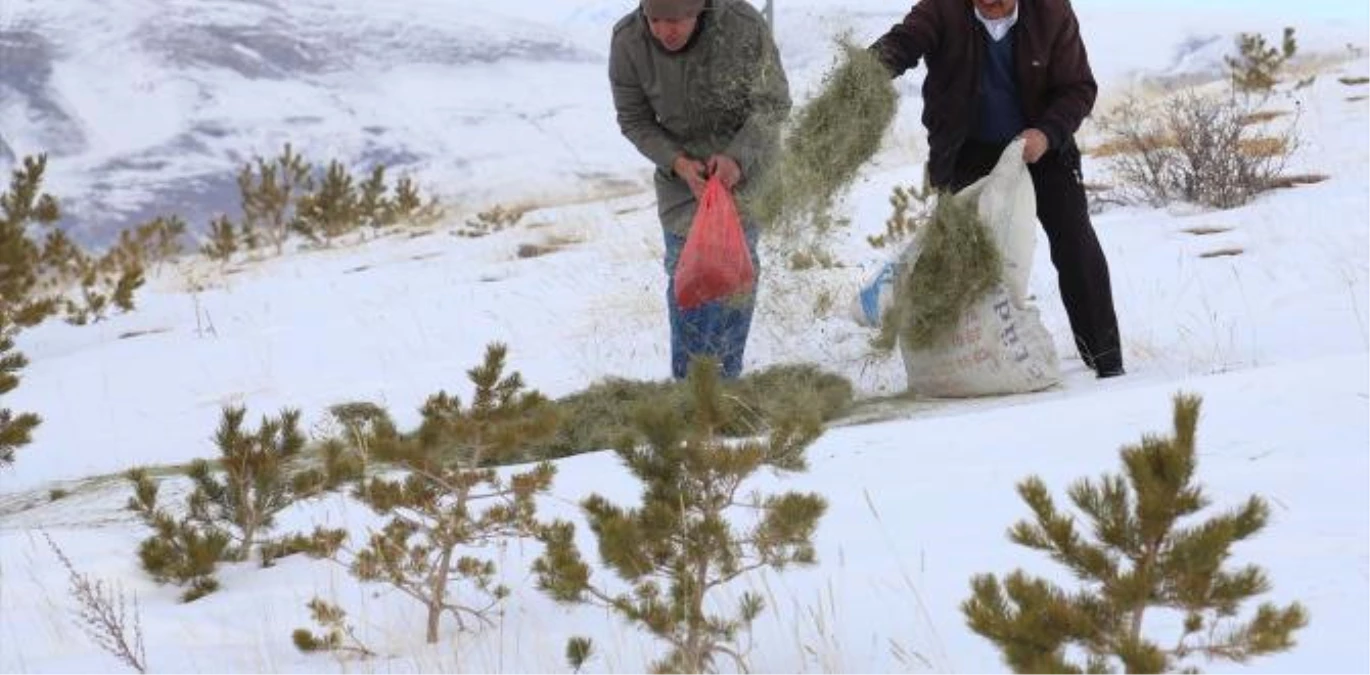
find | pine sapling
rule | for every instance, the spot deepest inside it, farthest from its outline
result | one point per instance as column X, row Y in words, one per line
column 16, row 430
column 579, row 651
column 223, row 240
column 373, row 207
column 448, row 509
column 1257, row 64
column 337, row 635
column 1140, row 558
column 269, row 192
column 255, row 483
column 22, row 205
column 681, row 546
column 365, row 427
column 329, row 211
column 180, row 551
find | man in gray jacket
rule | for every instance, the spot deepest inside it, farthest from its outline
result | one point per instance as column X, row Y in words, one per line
column 700, row 91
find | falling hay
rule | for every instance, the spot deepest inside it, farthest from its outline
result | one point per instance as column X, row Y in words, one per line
column 956, row 265
column 827, row 142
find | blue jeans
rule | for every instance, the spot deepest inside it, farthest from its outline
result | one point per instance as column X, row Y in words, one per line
column 716, row 329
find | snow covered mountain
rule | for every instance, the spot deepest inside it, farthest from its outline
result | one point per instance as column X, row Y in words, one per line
column 148, row 107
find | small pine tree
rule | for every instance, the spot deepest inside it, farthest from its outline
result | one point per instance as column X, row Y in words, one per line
column 407, row 201
column 331, row 210
column 433, row 516
column 680, row 545
column 22, row 205
column 1257, row 64
column 169, row 233
column 179, row 551
column 223, row 241
column 255, row 485
column 579, row 650
column 61, row 256
column 269, row 192
column 365, row 428
column 16, row 430
column 129, row 281
column 373, row 209
column 338, row 636
column 1141, row 559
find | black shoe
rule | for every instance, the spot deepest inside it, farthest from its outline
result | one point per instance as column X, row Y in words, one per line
column 1111, row 371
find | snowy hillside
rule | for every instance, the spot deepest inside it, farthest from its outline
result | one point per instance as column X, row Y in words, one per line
column 202, row 86
column 1264, row 310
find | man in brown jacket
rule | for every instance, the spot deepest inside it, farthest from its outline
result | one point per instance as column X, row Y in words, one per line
column 699, row 90
column 1002, row 69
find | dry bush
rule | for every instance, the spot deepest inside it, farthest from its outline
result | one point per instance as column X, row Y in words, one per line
column 104, row 614
column 1192, row 147
column 1353, row 81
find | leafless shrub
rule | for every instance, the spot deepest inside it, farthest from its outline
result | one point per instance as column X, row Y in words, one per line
column 1195, row 148
column 104, row 614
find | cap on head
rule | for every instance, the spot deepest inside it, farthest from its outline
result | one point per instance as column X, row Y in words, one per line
column 672, row 9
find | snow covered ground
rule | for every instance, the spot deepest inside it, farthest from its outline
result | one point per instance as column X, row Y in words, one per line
column 1275, row 337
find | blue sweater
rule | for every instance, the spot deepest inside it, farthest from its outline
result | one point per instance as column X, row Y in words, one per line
column 1000, row 110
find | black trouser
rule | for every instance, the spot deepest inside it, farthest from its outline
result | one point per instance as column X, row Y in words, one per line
column 1081, row 270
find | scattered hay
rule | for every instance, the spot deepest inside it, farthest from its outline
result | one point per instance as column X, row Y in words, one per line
column 535, row 250
column 1262, row 117
column 1223, row 252
column 550, row 244
column 1286, row 182
column 1353, row 81
column 602, row 416
column 1264, row 146
column 139, row 333
column 1205, row 230
column 958, row 263
column 828, row 141
column 1129, row 146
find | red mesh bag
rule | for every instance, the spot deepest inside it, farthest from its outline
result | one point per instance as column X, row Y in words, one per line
column 715, row 262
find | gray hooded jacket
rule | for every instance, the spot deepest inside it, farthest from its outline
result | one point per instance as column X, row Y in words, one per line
column 724, row 93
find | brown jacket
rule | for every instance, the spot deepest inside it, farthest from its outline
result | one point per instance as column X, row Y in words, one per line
column 1054, row 78
column 725, row 93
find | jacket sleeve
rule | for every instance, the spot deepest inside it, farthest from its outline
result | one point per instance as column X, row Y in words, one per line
column 1072, row 89
column 769, row 104
column 636, row 118
column 908, row 41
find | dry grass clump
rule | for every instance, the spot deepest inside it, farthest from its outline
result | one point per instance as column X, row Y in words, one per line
column 597, row 418
column 957, row 264
column 827, row 141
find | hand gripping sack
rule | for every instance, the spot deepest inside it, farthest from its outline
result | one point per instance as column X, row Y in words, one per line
column 1000, row 345
column 715, row 262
